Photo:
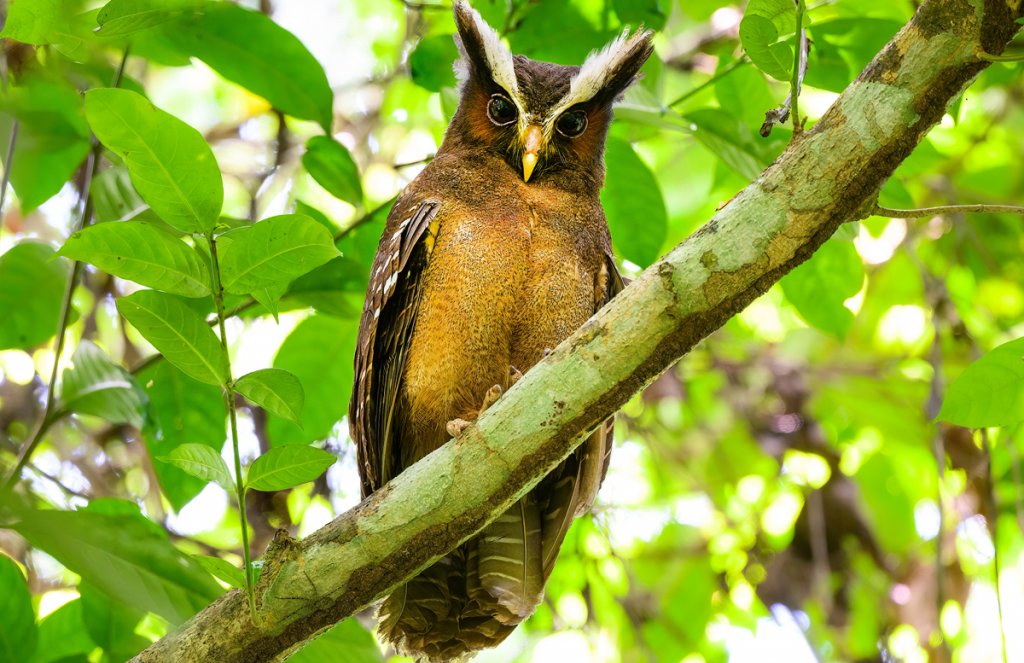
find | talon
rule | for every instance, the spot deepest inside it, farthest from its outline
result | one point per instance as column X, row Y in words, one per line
column 492, row 395
column 514, row 375
column 456, row 427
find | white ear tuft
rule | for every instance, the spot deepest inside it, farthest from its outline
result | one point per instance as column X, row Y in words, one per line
column 495, row 55
column 601, row 65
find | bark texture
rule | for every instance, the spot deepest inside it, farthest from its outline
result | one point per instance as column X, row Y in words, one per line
column 829, row 176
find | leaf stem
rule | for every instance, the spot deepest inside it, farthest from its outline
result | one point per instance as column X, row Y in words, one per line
column 1011, row 57
column 229, row 401
column 799, row 67
column 927, row 212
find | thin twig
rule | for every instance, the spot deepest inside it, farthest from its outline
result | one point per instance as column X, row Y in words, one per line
column 1012, row 57
column 993, row 510
column 49, row 415
column 928, row 212
column 782, row 113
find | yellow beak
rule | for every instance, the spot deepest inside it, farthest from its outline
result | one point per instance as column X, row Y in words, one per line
column 533, row 140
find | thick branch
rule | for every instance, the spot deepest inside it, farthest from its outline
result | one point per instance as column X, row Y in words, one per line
column 830, row 175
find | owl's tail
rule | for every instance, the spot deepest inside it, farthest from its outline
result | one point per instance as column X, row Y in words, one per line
column 473, row 598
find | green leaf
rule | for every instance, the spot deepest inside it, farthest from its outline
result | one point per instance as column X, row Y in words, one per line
column 96, row 385
column 124, row 17
column 286, row 467
column 178, row 333
column 126, row 557
column 819, row 287
column 331, row 165
column 52, row 141
column 222, row 569
column 248, row 48
column 990, row 392
column 632, row 200
column 759, row 38
column 29, row 268
column 319, row 352
column 275, row 390
column 18, row 631
column 114, row 198
column 202, row 462
column 33, row 21
column 782, row 13
column 171, row 165
column 649, row 13
column 430, row 64
column 181, row 410
column 272, row 252
column 111, row 623
column 345, row 642
column 142, row 253
column 62, row 636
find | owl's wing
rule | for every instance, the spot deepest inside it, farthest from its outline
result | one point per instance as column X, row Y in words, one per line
column 571, row 490
column 389, row 314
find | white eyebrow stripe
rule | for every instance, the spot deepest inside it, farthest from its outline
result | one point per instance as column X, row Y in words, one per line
column 594, row 73
column 499, row 58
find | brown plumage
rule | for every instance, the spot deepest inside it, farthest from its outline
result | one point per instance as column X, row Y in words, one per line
column 494, row 254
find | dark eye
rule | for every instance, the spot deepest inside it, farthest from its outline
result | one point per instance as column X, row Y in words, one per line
column 572, row 124
column 501, row 111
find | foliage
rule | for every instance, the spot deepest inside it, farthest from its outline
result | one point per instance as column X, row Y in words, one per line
column 787, row 483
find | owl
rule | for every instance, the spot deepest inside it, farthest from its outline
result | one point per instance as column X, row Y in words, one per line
column 495, row 253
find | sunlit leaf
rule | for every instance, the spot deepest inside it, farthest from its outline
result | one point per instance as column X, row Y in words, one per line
column 275, row 390
column 202, row 462
column 124, row 556
column 171, row 165
column 633, row 205
column 33, row 21
column 18, row 631
column 142, row 253
column 763, row 22
column 272, row 252
column 819, row 287
column 332, row 166
column 96, row 385
column 178, row 333
column 286, row 467
column 31, row 290
column 222, row 569
column 990, row 392
column 250, row 49
column 124, row 17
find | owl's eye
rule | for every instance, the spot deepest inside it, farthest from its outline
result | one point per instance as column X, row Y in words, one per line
column 572, row 124
column 501, row 111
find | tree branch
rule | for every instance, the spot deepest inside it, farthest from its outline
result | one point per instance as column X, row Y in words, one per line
column 830, row 175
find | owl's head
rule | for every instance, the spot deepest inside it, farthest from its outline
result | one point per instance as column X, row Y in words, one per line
column 539, row 117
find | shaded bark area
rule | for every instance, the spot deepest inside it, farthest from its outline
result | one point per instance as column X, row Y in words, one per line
column 829, row 176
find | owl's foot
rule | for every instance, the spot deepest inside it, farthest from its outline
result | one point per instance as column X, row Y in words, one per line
column 514, row 375
column 456, row 427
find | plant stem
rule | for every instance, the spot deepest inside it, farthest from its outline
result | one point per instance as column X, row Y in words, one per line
column 49, row 417
column 7, row 171
column 229, row 400
column 927, row 212
column 1012, row 57
column 709, row 82
column 799, row 67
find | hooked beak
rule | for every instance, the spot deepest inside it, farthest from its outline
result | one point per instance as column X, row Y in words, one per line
column 533, row 140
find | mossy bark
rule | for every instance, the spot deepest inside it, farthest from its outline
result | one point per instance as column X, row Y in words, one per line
column 829, row 176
